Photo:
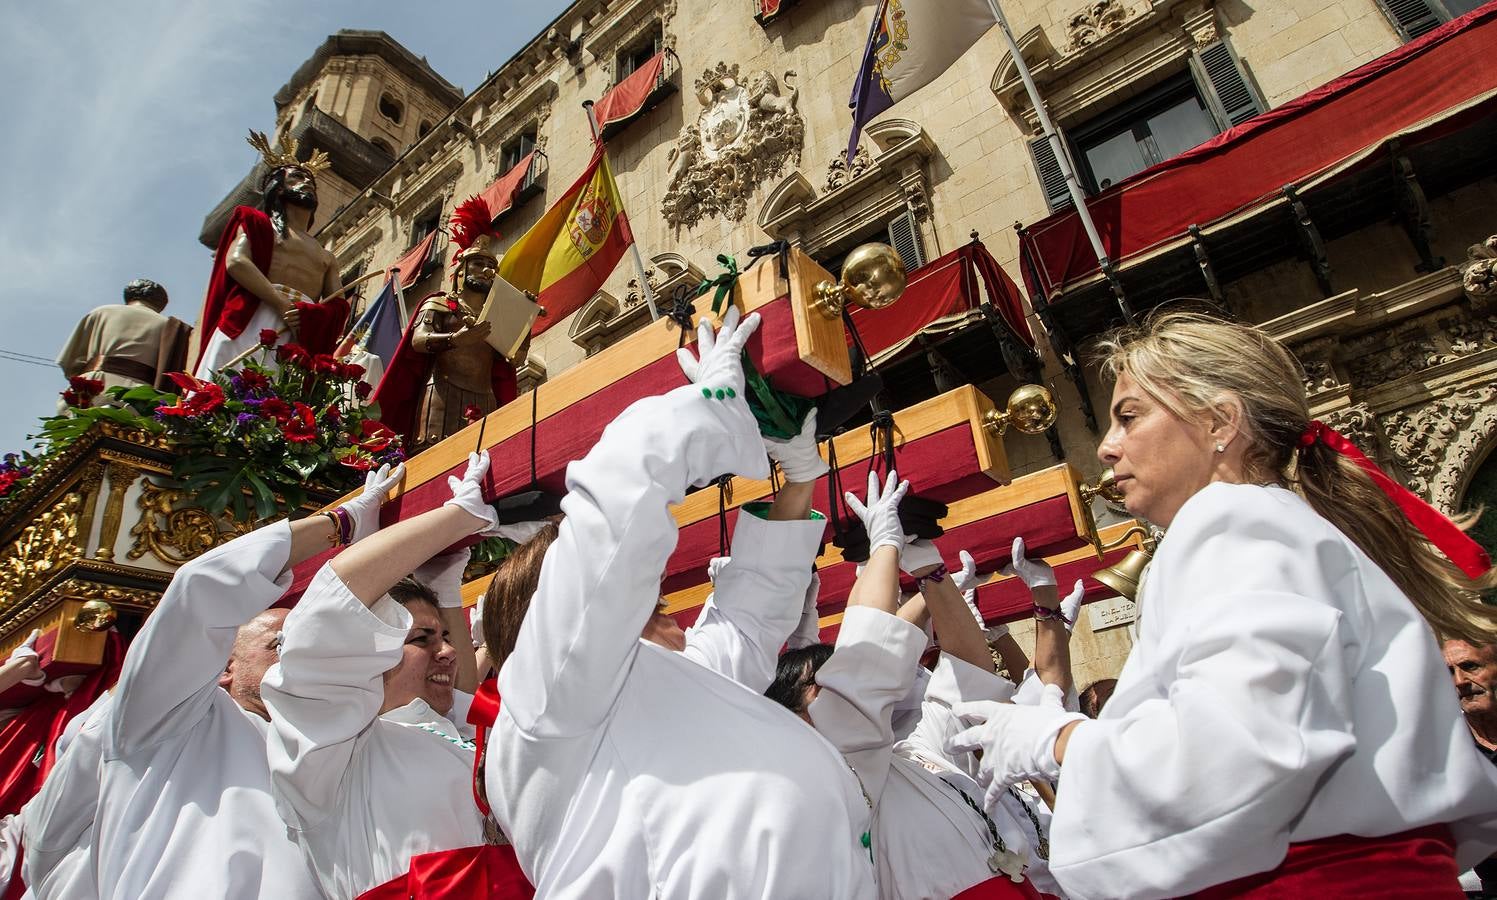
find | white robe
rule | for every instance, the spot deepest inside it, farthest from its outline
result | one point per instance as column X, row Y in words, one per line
column 1283, row 689
column 58, row 823
column 362, row 792
column 184, row 795
column 621, row 769
column 928, row 843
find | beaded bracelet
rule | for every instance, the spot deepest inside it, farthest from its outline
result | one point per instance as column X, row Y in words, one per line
column 1045, row 612
column 332, row 539
column 933, row 576
column 345, row 526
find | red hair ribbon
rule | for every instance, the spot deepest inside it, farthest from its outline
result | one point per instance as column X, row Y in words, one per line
column 1436, row 526
column 482, row 714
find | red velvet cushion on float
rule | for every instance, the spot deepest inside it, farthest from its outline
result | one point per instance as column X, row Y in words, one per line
column 1009, row 599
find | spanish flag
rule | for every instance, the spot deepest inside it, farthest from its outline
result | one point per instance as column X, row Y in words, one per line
column 569, row 253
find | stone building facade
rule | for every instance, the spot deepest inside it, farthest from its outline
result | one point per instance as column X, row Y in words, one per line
column 745, row 141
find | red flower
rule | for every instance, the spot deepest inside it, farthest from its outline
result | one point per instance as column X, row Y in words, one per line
column 78, row 401
column 377, row 436
column 332, row 413
column 351, row 371
column 186, row 382
column 472, row 413
column 301, row 428
column 7, row 481
column 86, row 386
column 276, row 408
column 362, row 390
column 294, row 354
column 205, row 401
column 268, row 337
column 324, row 364
column 202, row 397
column 253, row 381
column 357, row 461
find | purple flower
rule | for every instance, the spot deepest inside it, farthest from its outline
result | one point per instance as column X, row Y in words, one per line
column 245, row 419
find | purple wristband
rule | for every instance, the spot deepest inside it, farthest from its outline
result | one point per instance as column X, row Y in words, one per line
column 1045, row 612
column 934, row 575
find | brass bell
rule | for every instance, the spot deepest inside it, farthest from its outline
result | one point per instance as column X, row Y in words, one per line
column 872, row 277
column 1106, row 488
column 1124, row 576
column 95, row 616
column 1031, row 409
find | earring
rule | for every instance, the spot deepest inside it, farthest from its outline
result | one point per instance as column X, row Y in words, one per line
column 1220, row 447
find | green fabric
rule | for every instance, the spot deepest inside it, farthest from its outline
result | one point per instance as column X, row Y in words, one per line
column 759, row 509
column 723, row 283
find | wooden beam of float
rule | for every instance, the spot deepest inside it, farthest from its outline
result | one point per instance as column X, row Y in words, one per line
column 950, row 455
column 1046, row 507
column 799, row 349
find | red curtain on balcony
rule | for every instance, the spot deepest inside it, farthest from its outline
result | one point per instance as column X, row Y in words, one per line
column 768, row 9
column 625, row 99
column 500, row 195
column 414, row 261
column 940, row 288
column 1449, row 72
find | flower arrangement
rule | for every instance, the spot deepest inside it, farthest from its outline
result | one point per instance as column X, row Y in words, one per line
column 250, row 441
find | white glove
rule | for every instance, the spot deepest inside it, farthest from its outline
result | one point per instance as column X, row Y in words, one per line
column 881, row 514
column 715, row 566
column 966, row 579
column 444, row 575
column 475, row 624
column 28, row 650
column 364, row 509
column 799, row 458
column 808, row 629
column 1033, row 573
column 1071, row 605
column 1017, row 742
column 467, row 494
column 718, row 363
column 917, row 555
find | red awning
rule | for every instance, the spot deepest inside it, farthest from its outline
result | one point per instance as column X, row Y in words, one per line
column 941, row 288
column 414, row 261
column 500, row 195
column 625, row 99
column 1448, row 70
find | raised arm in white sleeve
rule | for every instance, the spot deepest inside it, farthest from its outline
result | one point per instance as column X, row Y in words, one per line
column 325, row 691
column 1247, row 646
column 171, row 670
column 952, row 681
column 601, row 577
column 757, row 598
column 808, row 629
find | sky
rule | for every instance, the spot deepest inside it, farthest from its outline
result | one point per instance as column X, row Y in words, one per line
column 124, row 125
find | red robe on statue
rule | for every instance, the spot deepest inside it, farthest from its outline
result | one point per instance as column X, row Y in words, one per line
column 228, row 307
column 399, row 390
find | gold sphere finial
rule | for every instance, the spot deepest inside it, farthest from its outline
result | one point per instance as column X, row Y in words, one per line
column 1031, row 409
column 1106, row 488
column 95, row 616
column 873, row 276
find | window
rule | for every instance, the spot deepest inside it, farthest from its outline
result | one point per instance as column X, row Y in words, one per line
column 516, row 149
column 900, row 232
column 390, row 108
column 638, row 53
column 1415, row 18
column 1162, row 124
column 1213, row 94
column 426, row 223
column 383, row 145
column 423, row 129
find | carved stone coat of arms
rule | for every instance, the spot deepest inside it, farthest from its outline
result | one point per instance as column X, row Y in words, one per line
column 748, row 132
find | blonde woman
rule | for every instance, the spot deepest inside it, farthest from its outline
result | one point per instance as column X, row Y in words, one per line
column 1284, row 723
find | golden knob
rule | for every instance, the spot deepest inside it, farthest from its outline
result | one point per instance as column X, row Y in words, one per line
column 1031, row 409
column 873, row 277
column 95, row 616
column 1106, row 488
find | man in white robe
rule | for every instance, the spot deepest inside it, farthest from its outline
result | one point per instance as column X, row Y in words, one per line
column 58, row 823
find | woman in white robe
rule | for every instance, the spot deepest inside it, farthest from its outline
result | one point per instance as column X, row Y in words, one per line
column 1284, row 721
column 619, row 768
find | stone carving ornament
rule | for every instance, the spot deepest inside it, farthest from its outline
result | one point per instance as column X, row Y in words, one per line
column 1479, row 274
column 1438, row 442
column 748, row 132
column 1094, row 22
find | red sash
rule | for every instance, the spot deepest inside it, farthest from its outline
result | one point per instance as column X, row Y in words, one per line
column 999, row 888
column 1417, row 864
column 487, row 871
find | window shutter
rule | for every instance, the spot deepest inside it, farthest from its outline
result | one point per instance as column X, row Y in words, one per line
column 1412, row 18
column 1052, row 179
column 1224, row 83
column 904, row 237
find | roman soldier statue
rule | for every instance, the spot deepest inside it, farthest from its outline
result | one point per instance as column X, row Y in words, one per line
column 127, row 344
column 445, row 373
column 269, row 273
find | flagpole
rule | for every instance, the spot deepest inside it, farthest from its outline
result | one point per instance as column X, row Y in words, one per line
column 399, row 299
column 639, row 261
column 1057, row 146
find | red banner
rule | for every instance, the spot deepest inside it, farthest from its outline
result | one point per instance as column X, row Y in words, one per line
column 625, row 99
column 500, row 195
column 414, row 261
column 1324, row 131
